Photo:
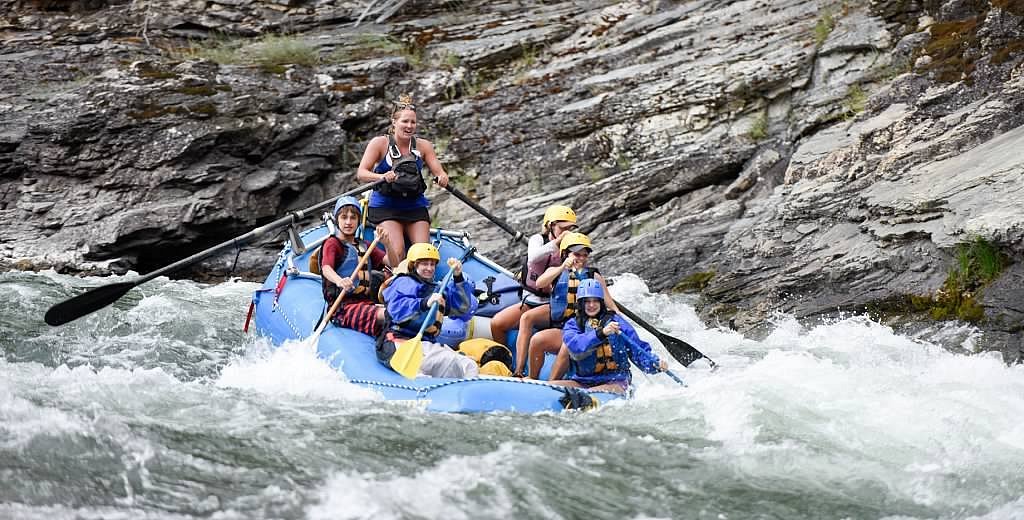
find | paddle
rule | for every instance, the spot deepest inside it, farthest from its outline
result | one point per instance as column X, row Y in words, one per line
column 674, row 376
column 679, row 349
column 99, row 297
column 632, row 344
column 409, row 356
column 337, row 301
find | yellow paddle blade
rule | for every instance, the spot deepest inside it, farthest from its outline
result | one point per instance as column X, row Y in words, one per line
column 408, row 357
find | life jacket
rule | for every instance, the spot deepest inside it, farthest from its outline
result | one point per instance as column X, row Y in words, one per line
column 410, row 329
column 529, row 273
column 362, row 283
column 608, row 361
column 409, row 183
column 492, row 357
column 563, row 295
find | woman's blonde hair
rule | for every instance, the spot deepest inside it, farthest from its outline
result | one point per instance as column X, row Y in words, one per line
column 404, row 103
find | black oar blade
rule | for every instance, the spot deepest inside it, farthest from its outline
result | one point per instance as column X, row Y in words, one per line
column 85, row 303
column 681, row 350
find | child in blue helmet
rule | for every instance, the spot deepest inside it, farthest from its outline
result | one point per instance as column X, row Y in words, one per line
column 338, row 259
column 597, row 351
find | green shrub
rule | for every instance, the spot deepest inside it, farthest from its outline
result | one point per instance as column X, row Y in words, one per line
column 759, row 129
column 977, row 263
column 856, row 99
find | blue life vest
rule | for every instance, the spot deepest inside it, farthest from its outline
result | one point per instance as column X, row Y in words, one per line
column 345, row 270
column 563, row 295
column 608, row 362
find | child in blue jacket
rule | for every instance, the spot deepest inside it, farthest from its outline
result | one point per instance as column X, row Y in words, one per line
column 408, row 297
column 597, row 349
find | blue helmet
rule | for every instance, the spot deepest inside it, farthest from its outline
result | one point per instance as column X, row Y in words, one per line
column 589, row 288
column 348, row 201
column 453, row 332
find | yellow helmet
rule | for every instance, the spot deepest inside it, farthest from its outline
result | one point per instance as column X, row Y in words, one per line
column 572, row 239
column 422, row 252
column 558, row 213
column 495, row 368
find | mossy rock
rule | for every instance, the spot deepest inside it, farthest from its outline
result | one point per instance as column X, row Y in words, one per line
column 978, row 263
column 949, row 49
column 1015, row 7
column 696, row 282
column 1006, row 52
column 157, row 74
column 197, row 90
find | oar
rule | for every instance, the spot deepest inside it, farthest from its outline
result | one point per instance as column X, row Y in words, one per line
column 409, row 356
column 679, row 349
column 632, row 344
column 99, row 297
column 674, row 376
column 337, row 301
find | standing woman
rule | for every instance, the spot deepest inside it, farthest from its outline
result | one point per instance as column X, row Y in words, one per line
column 399, row 205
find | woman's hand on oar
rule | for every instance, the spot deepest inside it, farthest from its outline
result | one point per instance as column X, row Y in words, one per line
column 682, row 351
column 337, row 301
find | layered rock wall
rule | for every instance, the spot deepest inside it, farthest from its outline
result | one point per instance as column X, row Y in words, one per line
column 805, row 157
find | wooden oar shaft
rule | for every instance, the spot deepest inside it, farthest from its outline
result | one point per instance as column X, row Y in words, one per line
column 341, row 296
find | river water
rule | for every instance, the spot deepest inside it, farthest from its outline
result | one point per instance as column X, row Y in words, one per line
column 161, row 407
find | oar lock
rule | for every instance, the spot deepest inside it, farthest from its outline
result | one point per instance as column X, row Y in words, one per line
column 332, row 226
column 293, row 235
column 489, row 296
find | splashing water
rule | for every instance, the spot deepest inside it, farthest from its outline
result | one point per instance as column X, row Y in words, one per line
column 160, row 407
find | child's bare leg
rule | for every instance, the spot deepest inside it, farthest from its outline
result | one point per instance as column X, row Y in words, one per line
column 548, row 340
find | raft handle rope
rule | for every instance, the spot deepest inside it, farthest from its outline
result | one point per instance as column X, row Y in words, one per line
column 431, row 388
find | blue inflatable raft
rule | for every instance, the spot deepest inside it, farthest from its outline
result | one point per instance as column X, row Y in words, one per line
column 290, row 304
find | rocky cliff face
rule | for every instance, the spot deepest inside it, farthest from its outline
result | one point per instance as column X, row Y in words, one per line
column 806, row 157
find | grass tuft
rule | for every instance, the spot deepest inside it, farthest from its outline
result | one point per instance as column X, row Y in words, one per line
column 826, row 22
column 759, row 128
